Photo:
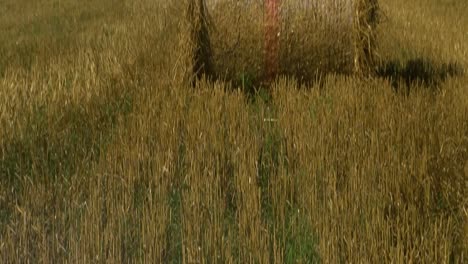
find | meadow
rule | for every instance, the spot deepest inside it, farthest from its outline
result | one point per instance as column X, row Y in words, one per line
column 109, row 154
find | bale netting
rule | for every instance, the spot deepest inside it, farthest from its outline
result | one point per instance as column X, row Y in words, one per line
column 260, row 39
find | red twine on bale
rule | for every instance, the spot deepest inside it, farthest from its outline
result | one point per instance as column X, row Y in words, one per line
column 271, row 38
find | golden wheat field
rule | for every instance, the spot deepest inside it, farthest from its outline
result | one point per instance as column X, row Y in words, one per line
column 110, row 153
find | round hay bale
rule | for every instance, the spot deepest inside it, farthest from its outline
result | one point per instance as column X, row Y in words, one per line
column 260, row 39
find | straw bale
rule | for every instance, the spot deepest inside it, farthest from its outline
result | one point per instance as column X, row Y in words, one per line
column 264, row 38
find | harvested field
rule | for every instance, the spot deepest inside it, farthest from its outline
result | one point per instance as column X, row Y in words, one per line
column 111, row 152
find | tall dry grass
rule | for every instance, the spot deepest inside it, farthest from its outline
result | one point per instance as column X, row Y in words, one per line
column 108, row 154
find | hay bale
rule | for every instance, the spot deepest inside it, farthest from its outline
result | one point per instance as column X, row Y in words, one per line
column 263, row 38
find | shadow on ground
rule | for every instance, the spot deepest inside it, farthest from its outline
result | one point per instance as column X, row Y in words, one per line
column 419, row 71
column 403, row 76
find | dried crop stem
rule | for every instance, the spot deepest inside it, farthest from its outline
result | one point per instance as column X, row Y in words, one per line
column 197, row 17
column 365, row 23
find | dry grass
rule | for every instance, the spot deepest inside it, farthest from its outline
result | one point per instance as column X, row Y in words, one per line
column 108, row 154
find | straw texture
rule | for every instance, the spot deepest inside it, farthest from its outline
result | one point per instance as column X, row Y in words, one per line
column 261, row 39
